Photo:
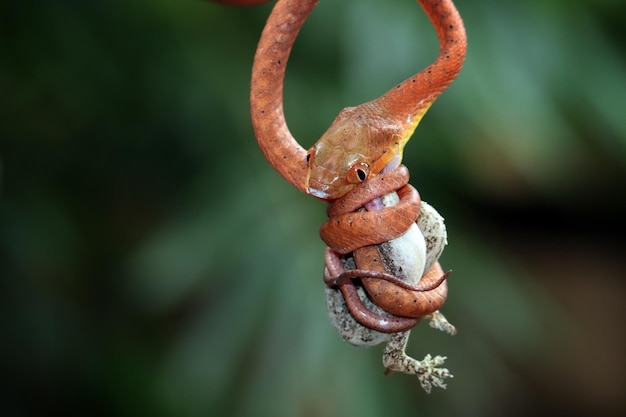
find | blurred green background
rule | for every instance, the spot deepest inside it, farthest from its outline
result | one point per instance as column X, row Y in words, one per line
column 152, row 262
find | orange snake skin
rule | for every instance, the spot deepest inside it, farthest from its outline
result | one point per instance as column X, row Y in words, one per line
column 351, row 230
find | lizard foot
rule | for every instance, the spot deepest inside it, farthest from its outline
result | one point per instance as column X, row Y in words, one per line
column 427, row 371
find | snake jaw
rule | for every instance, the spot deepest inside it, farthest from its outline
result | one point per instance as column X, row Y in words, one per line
column 393, row 163
column 321, row 182
column 320, row 191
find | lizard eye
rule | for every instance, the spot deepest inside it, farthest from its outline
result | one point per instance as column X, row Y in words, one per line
column 358, row 173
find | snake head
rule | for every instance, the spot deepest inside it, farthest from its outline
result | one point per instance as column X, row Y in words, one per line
column 358, row 144
column 331, row 178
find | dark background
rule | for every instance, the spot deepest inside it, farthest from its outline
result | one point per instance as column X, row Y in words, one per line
column 152, row 262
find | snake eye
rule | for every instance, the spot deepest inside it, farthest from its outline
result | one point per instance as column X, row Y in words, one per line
column 310, row 155
column 358, row 173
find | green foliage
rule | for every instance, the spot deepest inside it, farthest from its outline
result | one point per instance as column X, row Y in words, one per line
column 152, row 262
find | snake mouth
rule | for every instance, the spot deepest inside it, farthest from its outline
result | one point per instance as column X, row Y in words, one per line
column 393, row 163
column 317, row 189
column 320, row 187
column 317, row 193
